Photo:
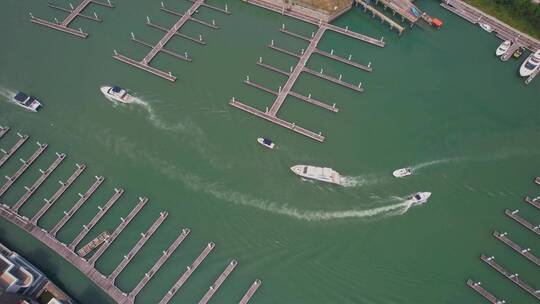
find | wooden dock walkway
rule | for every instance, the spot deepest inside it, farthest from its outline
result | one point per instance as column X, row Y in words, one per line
column 44, row 175
column 83, row 199
column 484, row 293
column 26, row 164
column 63, row 187
column 190, row 269
column 74, row 12
column 93, row 244
column 3, row 131
column 133, row 252
column 514, row 215
column 376, row 13
column 102, row 210
column 162, row 260
column 13, row 149
column 357, row 65
column 533, row 201
column 144, row 64
column 514, row 277
column 250, row 292
column 215, row 286
column 351, row 86
column 503, row 237
column 118, row 230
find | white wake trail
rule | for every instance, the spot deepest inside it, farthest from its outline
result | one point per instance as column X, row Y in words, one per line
column 155, row 119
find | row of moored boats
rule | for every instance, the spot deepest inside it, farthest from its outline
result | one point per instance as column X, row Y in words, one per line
column 529, row 66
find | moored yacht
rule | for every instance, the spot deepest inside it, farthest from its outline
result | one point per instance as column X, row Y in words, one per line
column 117, row 94
column 26, row 101
column 266, row 142
column 418, row 198
column 505, row 45
column 486, row 27
column 530, row 64
column 327, row 175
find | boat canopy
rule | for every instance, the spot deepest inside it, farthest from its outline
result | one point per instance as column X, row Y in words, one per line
column 21, row 97
column 116, row 89
column 267, row 141
column 436, row 22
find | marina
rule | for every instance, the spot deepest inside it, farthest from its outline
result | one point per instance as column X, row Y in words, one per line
column 63, row 187
column 13, row 149
column 74, row 12
column 476, row 286
column 525, row 252
column 123, row 224
column 514, row 277
column 83, row 199
column 133, row 252
column 44, row 175
column 250, row 292
column 215, row 286
column 190, row 269
column 25, row 165
column 515, row 216
column 144, row 64
column 303, row 57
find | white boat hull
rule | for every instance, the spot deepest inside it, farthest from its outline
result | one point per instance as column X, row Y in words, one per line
column 418, row 199
column 486, row 27
column 528, row 66
column 105, row 90
column 503, row 48
column 328, row 176
column 403, row 172
column 261, row 141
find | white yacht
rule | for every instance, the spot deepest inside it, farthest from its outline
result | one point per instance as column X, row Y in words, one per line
column 402, row 172
column 327, row 175
column 486, row 27
column 418, row 198
column 26, row 101
column 530, row 64
column 503, row 48
column 117, row 94
column 266, row 142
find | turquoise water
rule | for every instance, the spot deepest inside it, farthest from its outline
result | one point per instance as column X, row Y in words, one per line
column 438, row 101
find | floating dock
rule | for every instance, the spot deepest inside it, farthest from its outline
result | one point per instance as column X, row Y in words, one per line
column 13, row 149
column 484, row 293
column 93, row 244
column 102, row 210
column 215, row 286
column 63, row 187
column 376, row 13
column 26, row 164
column 74, row 12
column 535, row 202
column 133, row 252
column 250, row 292
column 514, row 215
column 144, row 64
column 270, row 114
column 83, row 199
column 190, row 269
column 162, row 260
column 3, row 131
column 118, row 230
column 44, row 175
column 525, row 252
column 514, row 277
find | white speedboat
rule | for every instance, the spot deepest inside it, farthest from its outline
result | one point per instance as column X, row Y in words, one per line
column 26, row 101
column 418, row 198
column 486, row 27
column 266, row 142
column 503, row 48
column 530, row 64
column 327, row 175
column 117, row 94
column 402, row 172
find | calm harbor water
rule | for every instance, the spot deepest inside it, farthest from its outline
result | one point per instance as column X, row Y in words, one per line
column 439, row 101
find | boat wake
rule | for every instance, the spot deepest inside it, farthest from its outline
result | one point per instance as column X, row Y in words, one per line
column 435, row 162
column 7, row 94
column 154, row 118
column 363, row 180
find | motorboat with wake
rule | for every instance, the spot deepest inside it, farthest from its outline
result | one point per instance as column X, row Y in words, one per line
column 418, row 198
column 117, row 94
column 503, row 48
column 266, row 142
column 402, row 172
column 530, row 64
column 26, row 101
column 327, row 175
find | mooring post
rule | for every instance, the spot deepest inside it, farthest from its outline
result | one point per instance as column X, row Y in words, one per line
column 109, row 1
column 31, row 16
column 369, row 65
column 200, row 37
column 132, row 36
column 147, row 19
column 322, row 70
column 309, row 96
column 283, row 26
column 339, row 77
column 360, row 84
column 302, row 52
column 226, row 8
column 115, row 53
column 80, row 30
column 71, row 5
column 95, row 15
column 350, row 57
column 185, row 55
column 213, row 22
column 266, row 111
column 291, row 68
column 56, row 20
column 233, row 99
column 332, row 52
column 272, row 42
column 279, row 89
column 162, row 4
column 382, row 39
column 247, row 78
column 260, row 59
